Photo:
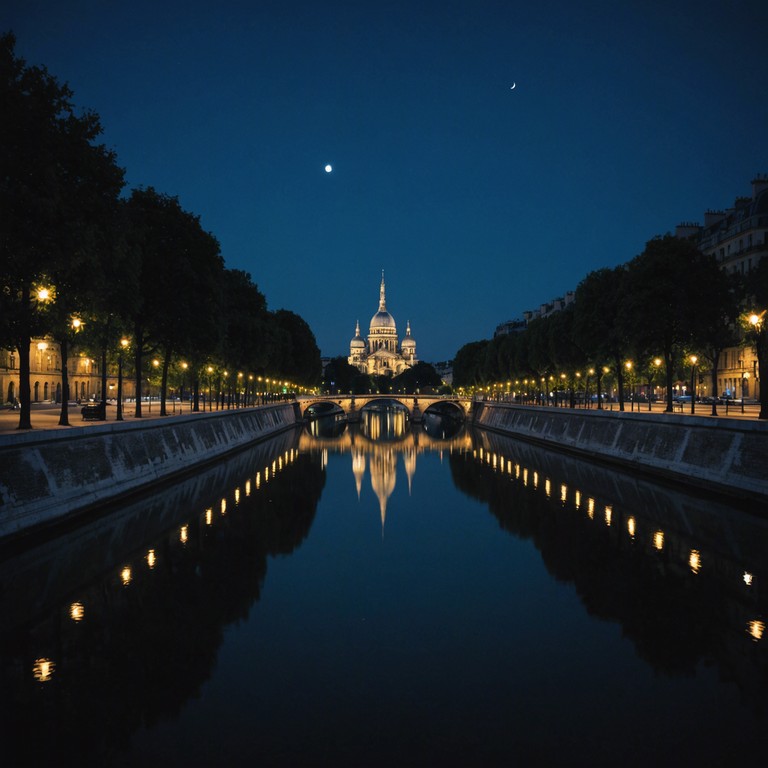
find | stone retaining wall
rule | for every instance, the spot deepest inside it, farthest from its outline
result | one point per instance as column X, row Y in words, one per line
column 726, row 455
column 46, row 476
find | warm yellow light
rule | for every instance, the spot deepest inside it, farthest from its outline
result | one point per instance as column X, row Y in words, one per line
column 658, row 540
column 76, row 611
column 209, row 369
column 43, row 294
column 657, row 361
column 209, row 516
column 223, row 506
column 748, row 578
column 628, row 365
column 631, row 526
column 77, row 323
column 185, row 366
column 43, row 669
column 124, row 343
column 547, row 487
column 237, row 496
column 247, row 488
column 151, row 560
column 754, row 319
column 694, row 560
column 125, row 576
column 693, row 359
column 184, row 534
column 756, row 628
column 156, row 363
column 563, row 492
column 577, row 499
column 608, row 515
column 42, row 346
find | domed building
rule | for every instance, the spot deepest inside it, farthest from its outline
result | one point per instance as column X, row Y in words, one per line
column 381, row 354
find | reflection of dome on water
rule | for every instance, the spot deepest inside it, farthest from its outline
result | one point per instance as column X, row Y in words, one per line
column 358, row 468
column 383, row 466
column 380, row 354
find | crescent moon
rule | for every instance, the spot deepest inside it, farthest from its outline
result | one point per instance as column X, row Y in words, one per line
column 513, row 87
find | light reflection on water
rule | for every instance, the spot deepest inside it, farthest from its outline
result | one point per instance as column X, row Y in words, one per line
column 259, row 611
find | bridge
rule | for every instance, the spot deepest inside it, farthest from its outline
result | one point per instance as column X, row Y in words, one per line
column 417, row 405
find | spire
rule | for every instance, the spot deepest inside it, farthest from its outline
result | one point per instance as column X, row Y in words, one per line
column 407, row 328
column 357, row 329
column 382, row 298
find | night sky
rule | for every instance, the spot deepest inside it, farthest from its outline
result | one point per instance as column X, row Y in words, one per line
column 478, row 201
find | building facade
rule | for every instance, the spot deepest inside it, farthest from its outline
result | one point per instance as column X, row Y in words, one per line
column 738, row 238
column 380, row 354
column 84, row 375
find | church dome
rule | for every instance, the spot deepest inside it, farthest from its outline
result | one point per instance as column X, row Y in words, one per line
column 408, row 342
column 382, row 319
column 357, row 342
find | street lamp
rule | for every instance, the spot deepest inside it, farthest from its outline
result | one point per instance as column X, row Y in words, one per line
column 693, row 360
column 628, row 366
column 209, row 371
column 123, row 346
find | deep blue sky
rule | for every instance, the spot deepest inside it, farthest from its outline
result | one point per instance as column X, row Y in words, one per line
column 478, row 201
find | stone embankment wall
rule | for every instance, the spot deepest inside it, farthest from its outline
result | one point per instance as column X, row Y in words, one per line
column 725, row 455
column 49, row 475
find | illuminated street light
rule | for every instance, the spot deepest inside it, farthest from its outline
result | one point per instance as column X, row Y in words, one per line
column 693, row 360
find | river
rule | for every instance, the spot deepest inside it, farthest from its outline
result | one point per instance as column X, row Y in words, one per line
column 386, row 595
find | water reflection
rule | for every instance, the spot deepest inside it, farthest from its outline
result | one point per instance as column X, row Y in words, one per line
column 122, row 618
column 683, row 575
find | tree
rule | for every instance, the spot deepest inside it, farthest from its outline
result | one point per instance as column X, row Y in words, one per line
column 339, row 376
column 55, row 184
column 468, row 364
column 598, row 325
column 417, row 378
column 300, row 358
column 661, row 304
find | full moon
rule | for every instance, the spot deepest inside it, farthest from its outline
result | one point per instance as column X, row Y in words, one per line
column 328, row 168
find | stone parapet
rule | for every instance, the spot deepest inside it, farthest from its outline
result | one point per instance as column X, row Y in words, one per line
column 47, row 476
column 726, row 455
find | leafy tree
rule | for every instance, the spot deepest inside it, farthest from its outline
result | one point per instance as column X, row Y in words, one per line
column 715, row 310
column 468, row 364
column 417, row 378
column 300, row 357
column 339, row 376
column 55, row 186
column 598, row 322
column 660, row 303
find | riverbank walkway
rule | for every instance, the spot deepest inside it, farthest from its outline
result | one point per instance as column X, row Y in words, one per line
column 45, row 416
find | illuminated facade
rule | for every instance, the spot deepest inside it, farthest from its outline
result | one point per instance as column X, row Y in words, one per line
column 381, row 354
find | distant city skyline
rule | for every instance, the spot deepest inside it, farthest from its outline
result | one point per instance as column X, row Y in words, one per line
column 479, row 200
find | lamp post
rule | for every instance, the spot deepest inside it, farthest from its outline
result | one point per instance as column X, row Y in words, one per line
column 628, row 366
column 656, row 365
column 693, row 360
column 123, row 345
column 744, row 384
column 209, row 371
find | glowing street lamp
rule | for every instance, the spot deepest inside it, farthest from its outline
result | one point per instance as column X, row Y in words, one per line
column 694, row 360
column 123, row 346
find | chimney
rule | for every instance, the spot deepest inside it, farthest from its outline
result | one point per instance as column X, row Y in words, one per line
column 712, row 217
column 687, row 229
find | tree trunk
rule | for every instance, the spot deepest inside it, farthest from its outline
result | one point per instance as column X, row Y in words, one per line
column 64, row 413
column 25, row 411
column 715, row 363
column 104, row 379
column 668, row 375
column 138, row 346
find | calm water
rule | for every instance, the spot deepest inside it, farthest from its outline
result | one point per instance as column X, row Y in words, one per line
column 404, row 600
